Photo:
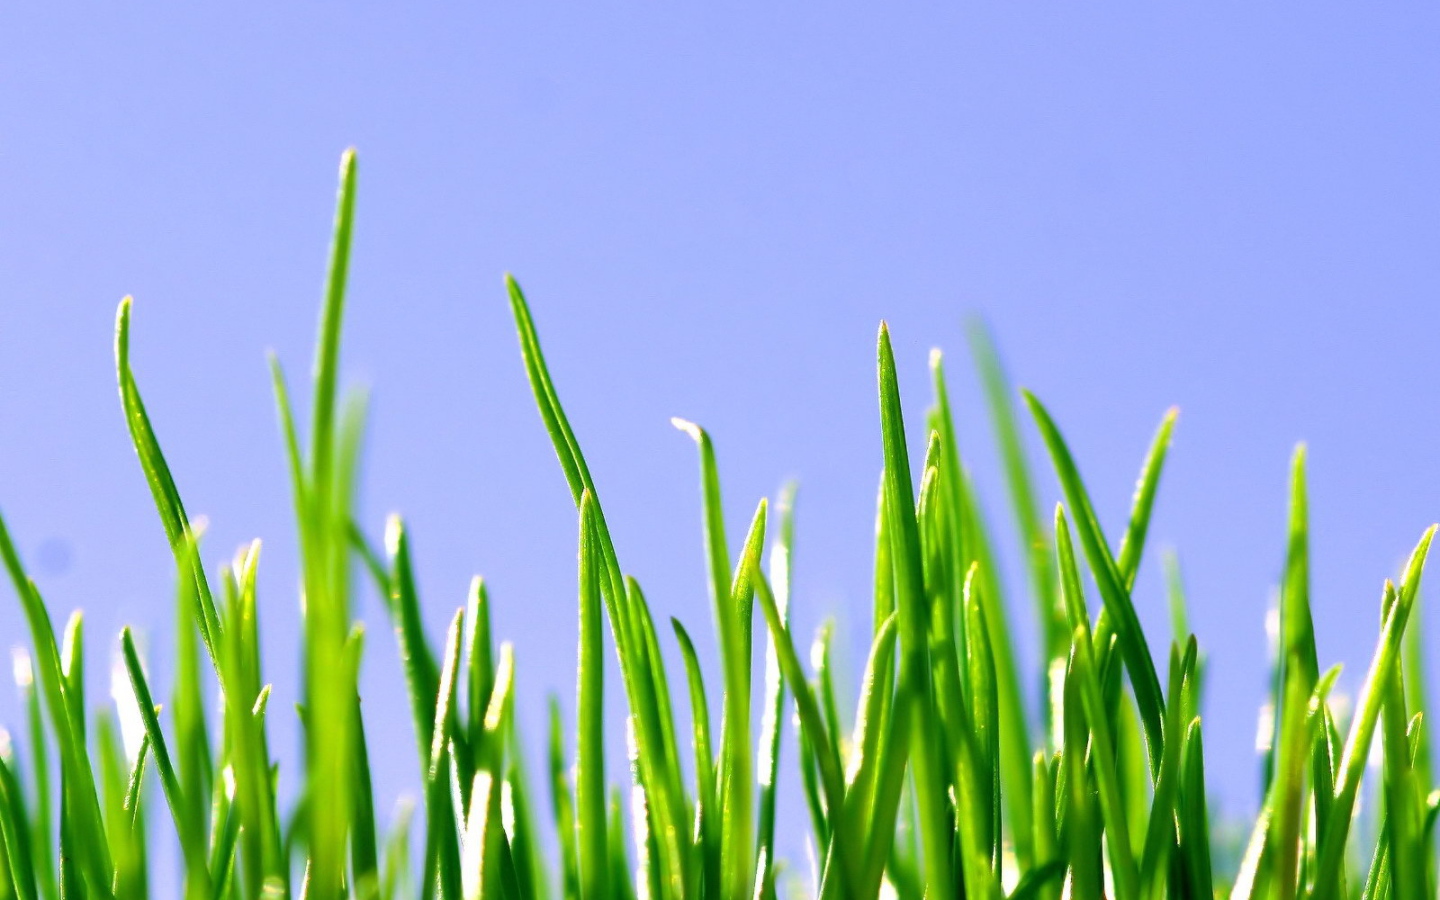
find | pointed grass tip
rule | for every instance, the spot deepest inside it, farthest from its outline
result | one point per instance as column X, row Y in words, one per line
column 695, row 431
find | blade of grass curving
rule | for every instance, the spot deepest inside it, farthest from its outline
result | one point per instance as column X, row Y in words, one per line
column 1111, row 581
column 162, row 483
column 656, row 761
column 197, row 876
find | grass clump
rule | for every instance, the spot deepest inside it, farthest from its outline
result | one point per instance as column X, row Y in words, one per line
column 950, row 783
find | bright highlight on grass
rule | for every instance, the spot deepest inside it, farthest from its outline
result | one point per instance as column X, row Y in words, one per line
column 949, row 782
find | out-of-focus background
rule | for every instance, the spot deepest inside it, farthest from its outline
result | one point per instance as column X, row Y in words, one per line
column 1233, row 208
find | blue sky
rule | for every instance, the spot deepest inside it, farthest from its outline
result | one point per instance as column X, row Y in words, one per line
column 1230, row 207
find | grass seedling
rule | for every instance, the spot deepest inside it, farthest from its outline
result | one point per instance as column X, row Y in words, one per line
column 949, row 782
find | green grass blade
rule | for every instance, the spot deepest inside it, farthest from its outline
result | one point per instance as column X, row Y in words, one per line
column 914, row 653
column 479, row 659
column 421, row 675
column 1132, row 546
column 1087, row 681
column 442, row 854
column 327, row 349
column 812, row 722
column 999, row 395
column 197, row 876
column 562, row 803
column 1111, row 581
column 590, row 755
column 1362, row 728
column 1193, row 816
column 707, row 815
column 162, row 484
column 655, row 756
column 970, row 543
column 15, row 833
column 75, row 760
column 782, row 553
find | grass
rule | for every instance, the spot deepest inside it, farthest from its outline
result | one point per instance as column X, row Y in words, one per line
column 950, row 783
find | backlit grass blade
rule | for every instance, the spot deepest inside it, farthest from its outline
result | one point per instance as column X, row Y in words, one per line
column 1362, row 728
column 1299, row 671
column 197, row 876
column 442, row 850
column 1082, row 822
column 732, row 614
column 590, row 755
column 782, row 553
column 999, row 397
column 653, row 746
column 1097, row 723
column 985, row 712
column 970, row 543
column 421, row 675
column 1046, row 838
column 913, row 619
column 40, row 815
column 75, row 758
column 869, row 807
column 1132, row 546
column 1112, row 583
column 479, row 659
column 707, row 815
column 1193, row 816
column 162, row 484
column 364, row 844
column 562, row 804
column 1402, row 813
column 812, row 722
column 15, row 832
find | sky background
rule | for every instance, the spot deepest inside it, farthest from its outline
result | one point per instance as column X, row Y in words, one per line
column 1230, row 207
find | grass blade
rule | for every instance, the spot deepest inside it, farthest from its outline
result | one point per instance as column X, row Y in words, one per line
column 913, row 618
column 1112, row 583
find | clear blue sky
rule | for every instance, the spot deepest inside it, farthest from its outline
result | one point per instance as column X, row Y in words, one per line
column 1230, row 207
